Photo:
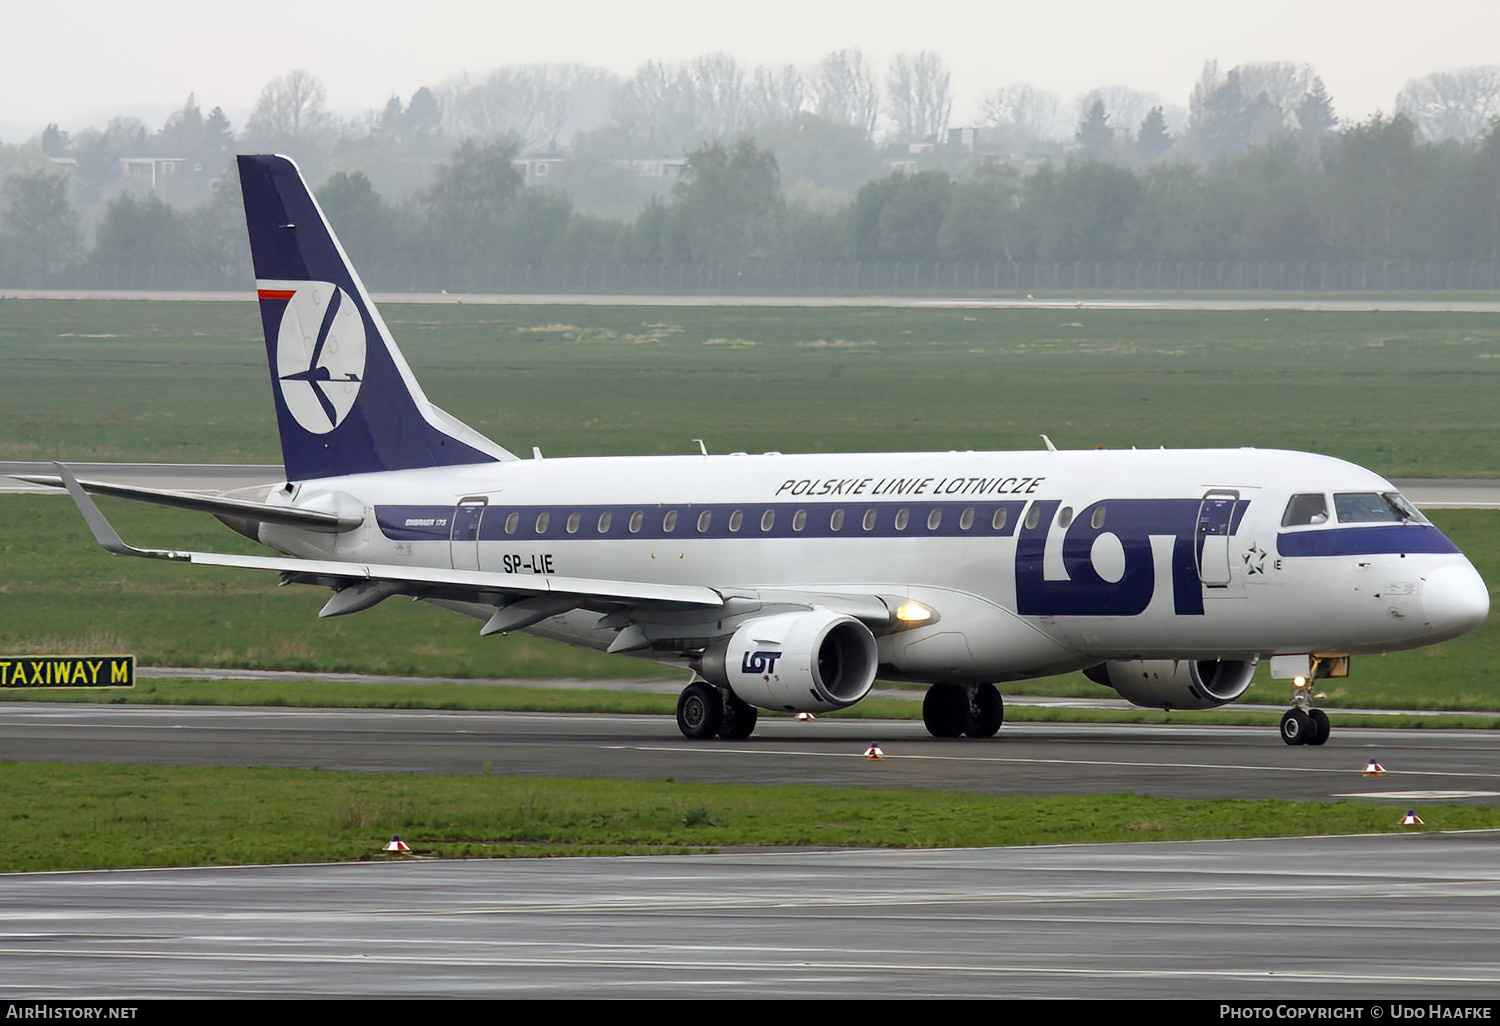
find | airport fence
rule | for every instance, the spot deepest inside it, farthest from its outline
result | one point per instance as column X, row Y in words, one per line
column 765, row 277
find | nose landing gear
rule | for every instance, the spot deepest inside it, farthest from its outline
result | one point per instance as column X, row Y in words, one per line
column 1302, row 724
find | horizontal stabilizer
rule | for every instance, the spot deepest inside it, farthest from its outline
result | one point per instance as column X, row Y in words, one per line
column 244, row 509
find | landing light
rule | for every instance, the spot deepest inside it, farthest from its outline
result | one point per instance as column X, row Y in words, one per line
column 913, row 612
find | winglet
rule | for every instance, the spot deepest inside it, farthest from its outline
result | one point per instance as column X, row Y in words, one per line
column 104, row 533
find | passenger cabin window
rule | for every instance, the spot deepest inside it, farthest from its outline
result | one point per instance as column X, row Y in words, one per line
column 604, row 519
column 703, row 521
column 966, row 519
column 836, row 522
column 902, row 516
column 997, row 522
column 511, row 522
column 735, row 520
column 541, row 522
column 767, row 520
column 935, row 519
column 1305, row 510
column 669, row 522
column 799, row 520
column 636, row 520
column 573, row 519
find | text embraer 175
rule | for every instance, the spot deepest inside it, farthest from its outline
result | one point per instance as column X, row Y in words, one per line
column 791, row 582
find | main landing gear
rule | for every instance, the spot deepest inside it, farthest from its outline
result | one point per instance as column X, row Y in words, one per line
column 1302, row 724
column 705, row 711
column 963, row 710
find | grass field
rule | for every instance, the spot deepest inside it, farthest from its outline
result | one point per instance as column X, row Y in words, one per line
column 110, row 817
column 1406, row 394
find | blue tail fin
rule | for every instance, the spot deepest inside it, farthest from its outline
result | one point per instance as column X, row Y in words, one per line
column 346, row 401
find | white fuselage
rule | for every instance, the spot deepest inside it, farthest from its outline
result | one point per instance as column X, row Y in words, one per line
column 1033, row 562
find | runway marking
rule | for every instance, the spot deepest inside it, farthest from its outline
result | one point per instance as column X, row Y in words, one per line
column 1109, row 763
column 673, row 964
column 1421, row 795
column 1468, row 888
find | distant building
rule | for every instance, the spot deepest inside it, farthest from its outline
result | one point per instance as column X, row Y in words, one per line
column 964, row 138
column 654, row 167
column 538, row 169
column 153, row 171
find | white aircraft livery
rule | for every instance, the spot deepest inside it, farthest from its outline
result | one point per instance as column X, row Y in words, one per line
column 793, row 582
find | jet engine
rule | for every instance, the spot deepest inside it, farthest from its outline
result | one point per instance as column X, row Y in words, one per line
column 815, row 660
column 1176, row 683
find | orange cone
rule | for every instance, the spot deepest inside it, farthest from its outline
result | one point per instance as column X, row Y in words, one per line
column 1411, row 818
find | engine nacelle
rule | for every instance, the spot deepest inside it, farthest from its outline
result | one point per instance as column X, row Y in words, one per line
column 1176, row 683
column 815, row 660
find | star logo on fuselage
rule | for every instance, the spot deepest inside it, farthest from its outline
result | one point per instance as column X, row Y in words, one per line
column 1255, row 560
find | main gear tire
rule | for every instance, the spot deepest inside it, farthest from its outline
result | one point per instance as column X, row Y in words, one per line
column 700, row 711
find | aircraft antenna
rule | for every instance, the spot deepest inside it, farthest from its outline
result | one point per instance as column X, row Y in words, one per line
column 1050, row 446
column 701, row 447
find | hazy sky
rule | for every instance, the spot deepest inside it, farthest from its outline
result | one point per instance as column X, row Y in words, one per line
column 82, row 61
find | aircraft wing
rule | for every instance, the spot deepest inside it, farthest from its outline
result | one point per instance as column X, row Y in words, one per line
column 373, row 581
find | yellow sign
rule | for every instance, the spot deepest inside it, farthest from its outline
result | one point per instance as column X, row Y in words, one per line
column 67, row 671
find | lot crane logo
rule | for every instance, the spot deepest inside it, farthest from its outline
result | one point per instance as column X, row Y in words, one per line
column 320, row 356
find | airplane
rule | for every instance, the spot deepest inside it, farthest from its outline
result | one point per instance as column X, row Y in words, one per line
column 792, row 582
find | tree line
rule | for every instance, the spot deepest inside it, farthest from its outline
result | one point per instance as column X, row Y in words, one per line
column 1374, row 192
column 1260, row 169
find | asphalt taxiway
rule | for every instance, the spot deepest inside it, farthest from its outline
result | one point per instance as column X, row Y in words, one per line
column 1186, row 761
column 1392, row 917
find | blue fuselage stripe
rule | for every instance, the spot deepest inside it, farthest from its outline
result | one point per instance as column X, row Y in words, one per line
column 1364, row 541
column 435, row 523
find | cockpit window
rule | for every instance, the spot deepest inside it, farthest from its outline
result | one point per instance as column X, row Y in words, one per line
column 1375, row 508
column 1302, row 510
column 1364, row 508
column 1402, row 505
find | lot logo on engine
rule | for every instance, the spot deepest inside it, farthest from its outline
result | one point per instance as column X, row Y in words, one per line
column 759, row 662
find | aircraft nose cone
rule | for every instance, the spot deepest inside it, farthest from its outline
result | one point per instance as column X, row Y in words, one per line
column 1455, row 600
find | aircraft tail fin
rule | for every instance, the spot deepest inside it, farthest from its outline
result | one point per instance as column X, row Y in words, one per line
column 346, row 401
